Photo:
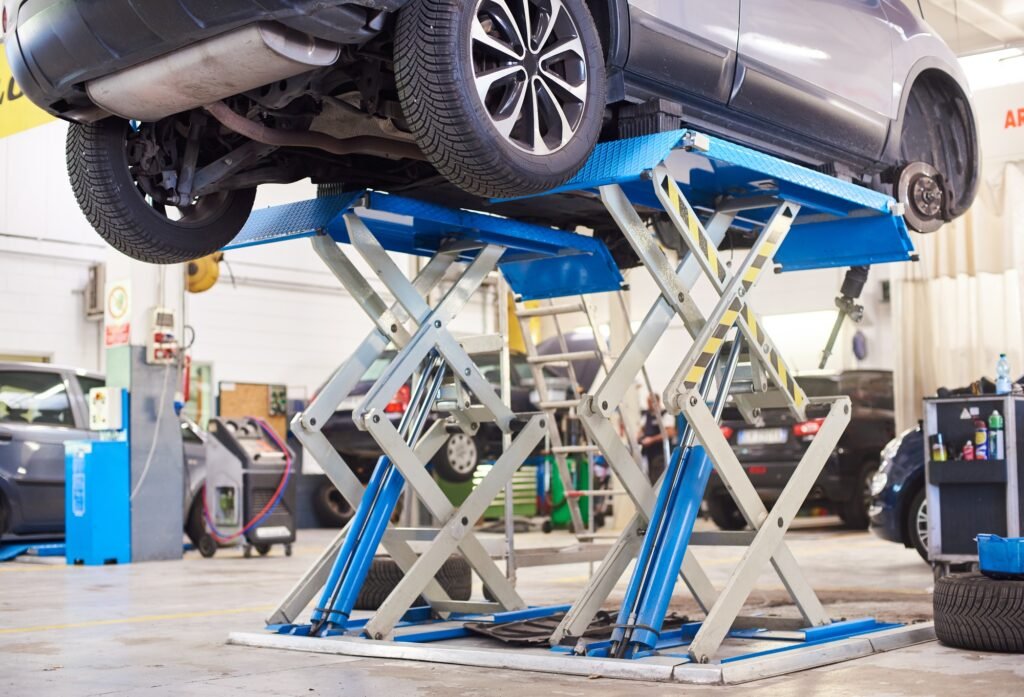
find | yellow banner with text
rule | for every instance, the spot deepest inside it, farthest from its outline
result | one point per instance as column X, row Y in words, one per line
column 17, row 113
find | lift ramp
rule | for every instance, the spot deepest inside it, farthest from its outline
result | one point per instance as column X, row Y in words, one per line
column 701, row 188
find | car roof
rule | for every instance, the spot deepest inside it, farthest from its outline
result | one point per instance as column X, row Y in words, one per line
column 49, row 368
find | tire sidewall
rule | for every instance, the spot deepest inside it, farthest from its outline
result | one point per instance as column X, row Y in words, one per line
column 577, row 150
column 179, row 242
column 446, row 468
column 918, row 500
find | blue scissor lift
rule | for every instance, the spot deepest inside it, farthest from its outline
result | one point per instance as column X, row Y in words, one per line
column 798, row 219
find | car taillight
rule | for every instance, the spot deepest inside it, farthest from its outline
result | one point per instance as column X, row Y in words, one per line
column 400, row 401
column 5, row 21
column 727, row 432
column 807, row 429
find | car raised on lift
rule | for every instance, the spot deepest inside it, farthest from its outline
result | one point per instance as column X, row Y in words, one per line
column 182, row 108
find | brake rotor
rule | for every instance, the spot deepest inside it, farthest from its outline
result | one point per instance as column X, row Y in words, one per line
column 919, row 188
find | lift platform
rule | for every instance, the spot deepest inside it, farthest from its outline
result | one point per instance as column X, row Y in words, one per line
column 701, row 188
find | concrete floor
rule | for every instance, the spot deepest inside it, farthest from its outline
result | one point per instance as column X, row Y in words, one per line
column 159, row 629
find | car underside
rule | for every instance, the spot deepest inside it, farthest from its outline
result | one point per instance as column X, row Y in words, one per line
column 316, row 90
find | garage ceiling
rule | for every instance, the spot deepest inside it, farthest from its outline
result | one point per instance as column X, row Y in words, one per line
column 975, row 26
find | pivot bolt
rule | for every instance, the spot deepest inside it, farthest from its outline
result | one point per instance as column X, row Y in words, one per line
column 604, row 406
column 465, row 520
column 543, row 423
column 376, row 418
column 467, row 371
column 312, row 422
column 437, row 324
column 681, row 297
column 693, row 401
column 779, row 521
column 378, row 636
column 394, row 328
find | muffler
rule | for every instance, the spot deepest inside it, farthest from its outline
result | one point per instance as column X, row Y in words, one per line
column 211, row 70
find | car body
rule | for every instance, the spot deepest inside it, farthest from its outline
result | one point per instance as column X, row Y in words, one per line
column 899, row 509
column 354, row 91
column 42, row 406
column 770, row 454
column 361, row 451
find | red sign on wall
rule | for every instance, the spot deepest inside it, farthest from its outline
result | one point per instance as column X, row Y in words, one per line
column 1014, row 119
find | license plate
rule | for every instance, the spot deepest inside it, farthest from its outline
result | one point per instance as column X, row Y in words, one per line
column 762, row 436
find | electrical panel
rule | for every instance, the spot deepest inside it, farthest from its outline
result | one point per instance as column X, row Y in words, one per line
column 162, row 343
column 106, row 409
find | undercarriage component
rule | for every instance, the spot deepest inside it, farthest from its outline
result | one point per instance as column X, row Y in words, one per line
column 211, row 70
column 853, row 286
column 359, row 145
column 920, row 188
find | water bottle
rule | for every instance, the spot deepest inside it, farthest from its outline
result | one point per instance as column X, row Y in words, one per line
column 1003, row 384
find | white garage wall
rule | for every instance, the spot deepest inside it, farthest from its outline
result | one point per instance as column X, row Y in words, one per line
column 285, row 320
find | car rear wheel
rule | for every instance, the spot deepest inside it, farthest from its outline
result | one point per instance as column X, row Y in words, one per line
column 103, row 162
column 854, row 513
column 725, row 514
column 917, row 523
column 504, row 98
column 458, row 458
column 330, row 507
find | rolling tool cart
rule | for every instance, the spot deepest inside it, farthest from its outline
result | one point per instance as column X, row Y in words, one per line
column 971, row 497
column 250, row 491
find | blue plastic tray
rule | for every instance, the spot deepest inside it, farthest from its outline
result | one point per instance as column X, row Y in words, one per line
column 1001, row 557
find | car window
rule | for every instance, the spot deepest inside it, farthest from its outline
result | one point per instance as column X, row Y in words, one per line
column 869, row 389
column 34, row 397
column 87, row 383
column 820, row 386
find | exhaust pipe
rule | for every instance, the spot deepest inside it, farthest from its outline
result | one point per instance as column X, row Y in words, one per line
column 211, row 70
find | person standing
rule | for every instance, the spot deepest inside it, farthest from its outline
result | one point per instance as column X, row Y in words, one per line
column 658, row 426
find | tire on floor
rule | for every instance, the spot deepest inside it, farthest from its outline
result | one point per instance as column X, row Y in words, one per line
column 455, row 577
column 975, row 612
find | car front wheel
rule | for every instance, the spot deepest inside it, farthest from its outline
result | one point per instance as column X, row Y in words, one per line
column 458, row 458
column 917, row 523
column 504, row 98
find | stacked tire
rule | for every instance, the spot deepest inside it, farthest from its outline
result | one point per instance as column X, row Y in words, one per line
column 976, row 612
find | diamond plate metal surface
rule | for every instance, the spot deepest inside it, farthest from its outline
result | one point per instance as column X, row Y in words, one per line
column 292, row 220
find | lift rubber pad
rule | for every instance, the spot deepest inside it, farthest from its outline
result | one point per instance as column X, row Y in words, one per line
column 539, row 263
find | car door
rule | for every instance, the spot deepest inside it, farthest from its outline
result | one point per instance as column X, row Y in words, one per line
column 819, row 67
column 36, row 418
column 687, row 45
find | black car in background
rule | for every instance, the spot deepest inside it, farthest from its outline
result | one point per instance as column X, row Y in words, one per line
column 770, row 453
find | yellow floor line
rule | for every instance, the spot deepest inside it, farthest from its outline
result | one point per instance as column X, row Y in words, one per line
column 134, row 620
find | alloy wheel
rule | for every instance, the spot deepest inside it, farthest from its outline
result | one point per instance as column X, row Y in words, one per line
column 461, row 453
column 530, row 71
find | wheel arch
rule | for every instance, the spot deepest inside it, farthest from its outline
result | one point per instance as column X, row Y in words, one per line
column 913, row 485
column 950, row 82
column 612, row 20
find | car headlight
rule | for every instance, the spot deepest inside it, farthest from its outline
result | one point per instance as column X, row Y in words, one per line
column 878, row 483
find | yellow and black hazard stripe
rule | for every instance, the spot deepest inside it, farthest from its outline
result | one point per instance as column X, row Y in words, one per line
column 713, row 345
column 759, row 338
column 707, row 250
